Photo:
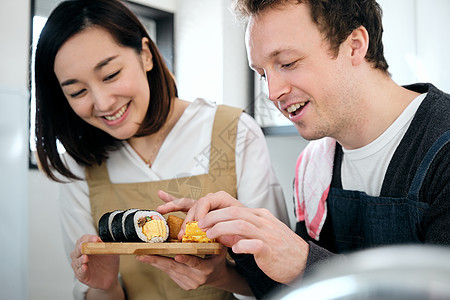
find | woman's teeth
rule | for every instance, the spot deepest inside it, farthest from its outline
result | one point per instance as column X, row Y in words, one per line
column 294, row 107
column 118, row 114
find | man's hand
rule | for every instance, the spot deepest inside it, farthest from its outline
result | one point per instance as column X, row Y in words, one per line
column 254, row 231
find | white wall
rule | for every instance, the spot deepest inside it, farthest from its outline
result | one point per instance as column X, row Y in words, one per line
column 198, row 50
column 14, row 33
column 433, row 44
column 49, row 272
column 415, row 41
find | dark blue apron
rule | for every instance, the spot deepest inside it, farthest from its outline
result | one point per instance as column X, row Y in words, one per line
column 361, row 221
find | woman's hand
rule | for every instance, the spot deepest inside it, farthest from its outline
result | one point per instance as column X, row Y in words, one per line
column 173, row 204
column 188, row 271
column 253, row 231
column 191, row 272
column 96, row 271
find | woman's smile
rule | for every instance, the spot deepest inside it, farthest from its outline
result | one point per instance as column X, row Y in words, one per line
column 118, row 117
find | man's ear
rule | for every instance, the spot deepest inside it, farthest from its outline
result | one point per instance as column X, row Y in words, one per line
column 146, row 55
column 359, row 44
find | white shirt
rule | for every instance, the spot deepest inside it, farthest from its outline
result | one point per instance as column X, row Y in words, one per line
column 190, row 138
column 363, row 169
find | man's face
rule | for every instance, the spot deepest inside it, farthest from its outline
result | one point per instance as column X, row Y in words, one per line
column 305, row 81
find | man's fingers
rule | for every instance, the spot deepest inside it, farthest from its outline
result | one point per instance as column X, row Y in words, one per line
column 233, row 213
column 239, row 228
column 213, row 202
column 229, row 240
column 249, row 246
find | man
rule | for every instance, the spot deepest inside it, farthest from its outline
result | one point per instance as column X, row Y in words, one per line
column 378, row 169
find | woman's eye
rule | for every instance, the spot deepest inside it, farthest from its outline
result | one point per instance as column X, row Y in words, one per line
column 112, row 76
column 74, row 95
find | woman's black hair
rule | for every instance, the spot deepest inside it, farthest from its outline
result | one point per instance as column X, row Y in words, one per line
column 55, row 119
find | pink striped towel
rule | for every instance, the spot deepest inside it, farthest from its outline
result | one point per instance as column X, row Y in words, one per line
column 312, row 183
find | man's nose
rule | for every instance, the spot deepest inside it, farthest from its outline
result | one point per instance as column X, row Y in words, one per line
column 277, row 86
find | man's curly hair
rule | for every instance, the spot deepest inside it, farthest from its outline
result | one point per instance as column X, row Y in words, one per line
column 336, row 19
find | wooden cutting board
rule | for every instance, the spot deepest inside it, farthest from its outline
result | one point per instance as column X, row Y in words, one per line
column 151, row 248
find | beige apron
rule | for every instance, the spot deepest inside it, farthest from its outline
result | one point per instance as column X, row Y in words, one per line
column 143, row 281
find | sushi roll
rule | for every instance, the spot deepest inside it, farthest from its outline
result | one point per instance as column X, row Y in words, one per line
column 147, row 226
column 116, row 228
column 124, row 216
column 104, row 226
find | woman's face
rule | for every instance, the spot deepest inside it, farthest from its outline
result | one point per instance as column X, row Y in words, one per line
column 105, row 83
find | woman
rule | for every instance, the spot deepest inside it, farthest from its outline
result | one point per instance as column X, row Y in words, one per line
column 104, row 92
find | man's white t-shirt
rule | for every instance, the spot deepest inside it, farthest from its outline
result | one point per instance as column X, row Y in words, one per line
column 363, row 169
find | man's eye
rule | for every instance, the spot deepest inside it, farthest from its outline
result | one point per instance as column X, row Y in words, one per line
column 112, row 76
column 289, row 65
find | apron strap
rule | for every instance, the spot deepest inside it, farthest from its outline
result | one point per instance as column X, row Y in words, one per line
column 223, row 141
column 97, row 175
column 425, row 164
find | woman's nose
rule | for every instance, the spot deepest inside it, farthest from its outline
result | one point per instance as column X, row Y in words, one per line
column 103, row 100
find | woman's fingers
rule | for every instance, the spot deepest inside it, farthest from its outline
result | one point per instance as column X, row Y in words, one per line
column 77, row 258
column 82, row 268
column 173, row 204
column 177, row 265
column 79, row 264
column 97, row 271
column 183, row 274
column 164, row 196
column 189, row 271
